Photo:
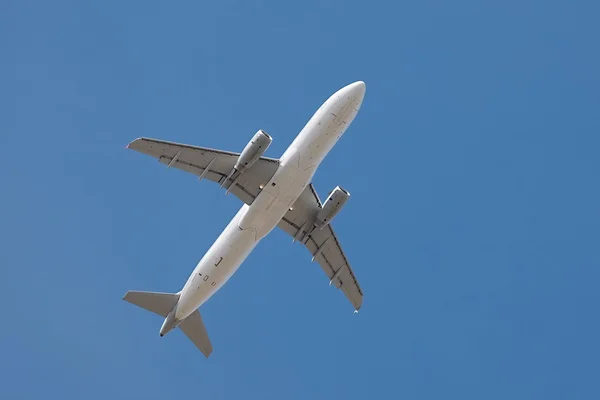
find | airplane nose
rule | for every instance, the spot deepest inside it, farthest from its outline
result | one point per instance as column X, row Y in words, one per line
column 357, row 89
column 360, row 85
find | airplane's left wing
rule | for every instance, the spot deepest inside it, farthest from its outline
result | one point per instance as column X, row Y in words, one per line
column 212, row 164
column 323, row 244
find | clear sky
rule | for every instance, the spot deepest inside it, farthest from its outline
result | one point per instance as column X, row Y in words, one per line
column 473, row 225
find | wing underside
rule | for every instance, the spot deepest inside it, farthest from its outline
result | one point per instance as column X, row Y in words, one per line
column 214, row 165
column 323, row 244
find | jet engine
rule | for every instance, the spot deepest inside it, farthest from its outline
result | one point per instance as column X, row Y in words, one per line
column 332, row 206
column 253, row 151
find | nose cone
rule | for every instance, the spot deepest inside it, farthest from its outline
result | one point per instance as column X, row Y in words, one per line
column 355, row 90
column 358, row 88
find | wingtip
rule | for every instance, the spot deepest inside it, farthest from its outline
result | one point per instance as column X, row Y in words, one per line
column 126, row 295
column 133, row 142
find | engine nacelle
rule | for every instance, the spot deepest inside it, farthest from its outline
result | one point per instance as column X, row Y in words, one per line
column 253, row 150
column 334, row 203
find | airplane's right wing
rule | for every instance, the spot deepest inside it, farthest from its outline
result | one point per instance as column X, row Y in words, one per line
column 323, row 244
column 214, row 165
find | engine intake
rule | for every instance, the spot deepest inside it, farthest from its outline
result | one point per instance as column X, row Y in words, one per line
column 332, row 206
column 253, row 150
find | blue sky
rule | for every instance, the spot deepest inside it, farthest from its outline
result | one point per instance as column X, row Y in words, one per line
column 473, row 225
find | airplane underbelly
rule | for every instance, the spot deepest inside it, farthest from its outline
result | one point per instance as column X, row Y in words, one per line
column 275, row 200
column 218, row 265
column 241, row 236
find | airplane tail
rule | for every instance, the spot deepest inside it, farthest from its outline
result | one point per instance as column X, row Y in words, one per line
column 194, row 329
column 158, row 303
column 162, row 304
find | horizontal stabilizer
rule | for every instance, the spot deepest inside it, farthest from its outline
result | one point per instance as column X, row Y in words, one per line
column 194, row 329
column 158, row 303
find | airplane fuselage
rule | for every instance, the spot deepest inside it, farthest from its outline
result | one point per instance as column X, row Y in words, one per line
column 297, row 166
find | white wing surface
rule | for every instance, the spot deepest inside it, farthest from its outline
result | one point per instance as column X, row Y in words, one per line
column 212, row 164
column 323, row 244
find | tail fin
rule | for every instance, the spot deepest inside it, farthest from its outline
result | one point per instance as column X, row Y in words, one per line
column 158, row 303
column 194, row 329
column 162, row 304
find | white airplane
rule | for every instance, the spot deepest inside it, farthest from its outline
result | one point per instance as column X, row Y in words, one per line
column 275, row 192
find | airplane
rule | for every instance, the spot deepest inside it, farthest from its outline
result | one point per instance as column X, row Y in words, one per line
column 275, row 193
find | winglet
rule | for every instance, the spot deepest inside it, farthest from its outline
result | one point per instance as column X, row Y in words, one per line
column 133, row 142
